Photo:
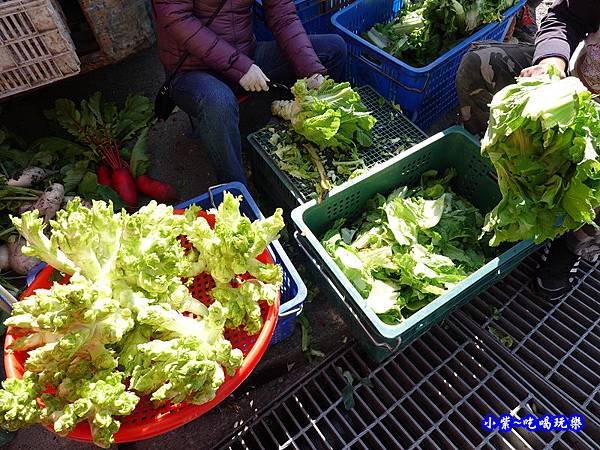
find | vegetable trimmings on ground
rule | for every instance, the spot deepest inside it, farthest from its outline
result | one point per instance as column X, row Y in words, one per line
column 410, row 247
column 294, row 159
column 120, row 316
column 543, row 139
column 424, row 30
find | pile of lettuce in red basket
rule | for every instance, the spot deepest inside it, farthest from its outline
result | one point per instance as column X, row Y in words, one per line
column 141, row 322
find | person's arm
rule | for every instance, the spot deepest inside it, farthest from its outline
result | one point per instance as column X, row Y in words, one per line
column 567, row 23
column 177, row 17
column 283, row 21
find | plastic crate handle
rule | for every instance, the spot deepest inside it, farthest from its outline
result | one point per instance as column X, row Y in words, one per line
column 370, row 60
column 343, row 299
column 211, row 195
column 294, row 311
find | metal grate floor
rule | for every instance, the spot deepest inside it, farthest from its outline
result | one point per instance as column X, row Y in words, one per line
column 560, row 342
column 432, row 395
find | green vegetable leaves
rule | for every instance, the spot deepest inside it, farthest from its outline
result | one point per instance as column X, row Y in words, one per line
column 96, row 121
column 424, row 30
column 18, row 405
column 331, row 116
column 121, row 314
column 409, row 248
column 103, row 127
column 543, row 139
column 139, row 159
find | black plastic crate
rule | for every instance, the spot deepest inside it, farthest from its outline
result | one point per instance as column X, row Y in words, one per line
column 392, row 134
column 558, row 341
column 432, row 395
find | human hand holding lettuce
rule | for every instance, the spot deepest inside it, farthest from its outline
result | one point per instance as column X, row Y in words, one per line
column 543, row 66
column 543, row 139
column 120, row 316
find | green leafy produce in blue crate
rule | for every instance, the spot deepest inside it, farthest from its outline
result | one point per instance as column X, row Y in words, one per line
column 410, row 247
column 424, row 30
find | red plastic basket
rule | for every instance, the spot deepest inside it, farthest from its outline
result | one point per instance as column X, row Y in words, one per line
column 146, row 421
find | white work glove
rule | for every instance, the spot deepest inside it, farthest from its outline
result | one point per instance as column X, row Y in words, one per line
column 254, row 80
column 315, row 81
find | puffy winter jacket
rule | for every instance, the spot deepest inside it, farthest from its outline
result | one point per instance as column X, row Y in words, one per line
column 227, row 46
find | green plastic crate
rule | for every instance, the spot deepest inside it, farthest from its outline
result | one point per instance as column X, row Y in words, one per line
column 392, row 134
column 475, row 181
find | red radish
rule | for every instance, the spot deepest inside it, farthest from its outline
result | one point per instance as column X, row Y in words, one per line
column 210, row 218
column 104, row 175
column 123, row 183
column 163, row 192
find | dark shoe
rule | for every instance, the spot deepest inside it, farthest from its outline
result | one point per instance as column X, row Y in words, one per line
column 556, row 275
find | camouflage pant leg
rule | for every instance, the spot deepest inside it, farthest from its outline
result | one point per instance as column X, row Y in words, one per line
column 585, row 242
column 487, row 67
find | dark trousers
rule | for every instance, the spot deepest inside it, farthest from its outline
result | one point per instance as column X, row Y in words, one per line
column 213, row 104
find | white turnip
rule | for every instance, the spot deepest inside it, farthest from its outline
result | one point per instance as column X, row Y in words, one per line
column 84, row 202
column 50, row 201
column 20, row 263
column 4, row 258
column 28, row 177
column 28, row 206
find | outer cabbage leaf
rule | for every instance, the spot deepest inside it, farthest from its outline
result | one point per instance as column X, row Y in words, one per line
column 409, row 248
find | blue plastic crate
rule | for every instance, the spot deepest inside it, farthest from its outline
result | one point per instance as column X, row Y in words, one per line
column 315, row 15
column 293, row 289
column 424, row 93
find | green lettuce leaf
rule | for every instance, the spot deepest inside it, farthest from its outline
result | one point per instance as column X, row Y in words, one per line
column 409, row 248
column 543, row 139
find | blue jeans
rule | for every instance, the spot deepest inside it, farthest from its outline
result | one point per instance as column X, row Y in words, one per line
column 213, row 105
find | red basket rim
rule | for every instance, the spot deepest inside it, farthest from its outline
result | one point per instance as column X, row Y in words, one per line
column 184, row 414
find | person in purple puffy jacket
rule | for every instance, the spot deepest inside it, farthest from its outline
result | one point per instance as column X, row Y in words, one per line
column 225, row 58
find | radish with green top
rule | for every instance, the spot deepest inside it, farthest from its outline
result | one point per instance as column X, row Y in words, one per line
column 124, row 185
column 104, row 175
